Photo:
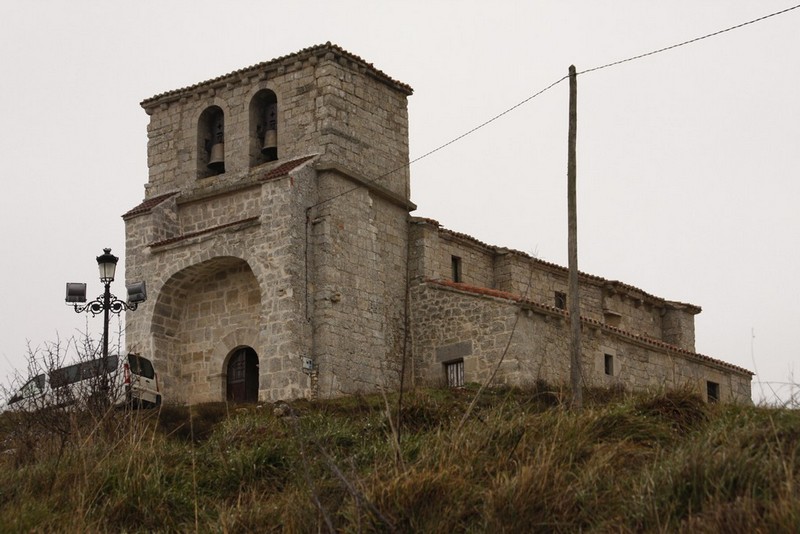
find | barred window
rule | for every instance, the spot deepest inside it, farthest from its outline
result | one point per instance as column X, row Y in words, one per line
column 455, row 373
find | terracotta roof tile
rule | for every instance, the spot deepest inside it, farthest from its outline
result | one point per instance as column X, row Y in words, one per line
column 147, row 205
column 478, row 289
column 467, row 288
column 277, row 172
column 316, row 50
column 285, row 168
column 604, row 281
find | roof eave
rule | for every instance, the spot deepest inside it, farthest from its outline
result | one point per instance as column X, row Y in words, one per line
column 317, row 51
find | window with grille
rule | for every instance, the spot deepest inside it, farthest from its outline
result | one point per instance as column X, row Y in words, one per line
column 455, row 373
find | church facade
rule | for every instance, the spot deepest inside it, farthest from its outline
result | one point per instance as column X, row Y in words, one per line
column 282, row 260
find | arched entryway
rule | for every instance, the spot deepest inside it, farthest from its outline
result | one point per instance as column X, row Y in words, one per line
column 220, row 295
column 242, row 376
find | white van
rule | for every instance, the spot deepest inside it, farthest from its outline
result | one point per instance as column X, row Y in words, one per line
column 128, row 381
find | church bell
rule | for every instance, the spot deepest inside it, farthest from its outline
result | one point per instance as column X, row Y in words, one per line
column 270, row 146
column 216, row 154
column 216, row 157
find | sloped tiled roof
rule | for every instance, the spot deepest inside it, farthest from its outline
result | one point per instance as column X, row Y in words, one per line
column 317, row 50
column 477, row 290
column 285, row 168
column 692, row 308
column 147, row 205
column 278, row 172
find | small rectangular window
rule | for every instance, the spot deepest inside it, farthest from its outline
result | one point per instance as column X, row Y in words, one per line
column 560, row 300
column 456, row 266
column 608, row 362
column 455, row 373
column 712, row 390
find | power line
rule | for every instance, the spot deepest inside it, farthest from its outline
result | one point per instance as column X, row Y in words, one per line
column 607, row 65
column 690, row 41
column 440, row 147
column 486, row 123
column 528, row 99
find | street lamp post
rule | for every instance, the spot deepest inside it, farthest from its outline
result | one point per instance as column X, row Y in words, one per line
column 105, row 303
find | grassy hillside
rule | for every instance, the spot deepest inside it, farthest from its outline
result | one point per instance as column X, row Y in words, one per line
column 519, row 463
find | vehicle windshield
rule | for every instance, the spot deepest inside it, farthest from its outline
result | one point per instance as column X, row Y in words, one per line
column 82, row 371
column 32, row 387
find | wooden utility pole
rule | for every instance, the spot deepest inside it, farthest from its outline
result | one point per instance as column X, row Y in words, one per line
column 575, row 371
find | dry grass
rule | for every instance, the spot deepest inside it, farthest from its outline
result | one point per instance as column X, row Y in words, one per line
column 521, row 463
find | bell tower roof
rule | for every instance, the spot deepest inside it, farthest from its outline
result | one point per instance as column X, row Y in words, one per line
column 276, row 66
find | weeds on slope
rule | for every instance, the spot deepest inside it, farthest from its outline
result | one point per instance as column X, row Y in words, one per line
column 626, row 463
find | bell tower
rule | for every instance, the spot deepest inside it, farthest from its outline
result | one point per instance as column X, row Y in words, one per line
column 274, row 222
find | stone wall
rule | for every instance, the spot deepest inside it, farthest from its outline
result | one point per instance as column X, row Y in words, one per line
column 476, row 265
column 329, row 102
column 214, row 305
column 613, row 303
column 227, row 286
column 322, row 276
column 362, row 124
column 307, row 259
column 452, row 323
column 359, row 247
column 217, row 210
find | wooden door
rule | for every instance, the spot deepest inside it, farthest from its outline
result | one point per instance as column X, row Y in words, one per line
column 242, row 381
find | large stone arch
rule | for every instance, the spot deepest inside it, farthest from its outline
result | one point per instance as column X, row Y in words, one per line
column 196, row 310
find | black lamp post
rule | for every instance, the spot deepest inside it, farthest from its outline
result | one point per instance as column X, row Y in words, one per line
column 105, row 303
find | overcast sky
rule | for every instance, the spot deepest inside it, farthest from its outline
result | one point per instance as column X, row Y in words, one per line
column 688, row 160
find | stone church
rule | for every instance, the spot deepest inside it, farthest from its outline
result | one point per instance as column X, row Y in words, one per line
column 282, row 260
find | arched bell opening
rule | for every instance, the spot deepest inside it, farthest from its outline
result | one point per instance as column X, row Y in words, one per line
column 211, row 142
column 241, row 382
column 263, row 128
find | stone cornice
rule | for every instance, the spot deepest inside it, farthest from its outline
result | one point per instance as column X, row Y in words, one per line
column 278, row 66
column 205, row 233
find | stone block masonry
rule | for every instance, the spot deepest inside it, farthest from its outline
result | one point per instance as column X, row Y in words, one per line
column 255, row 254
column 457, row 322
column 281, row 260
